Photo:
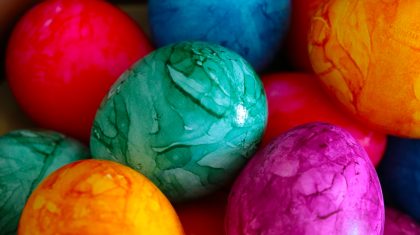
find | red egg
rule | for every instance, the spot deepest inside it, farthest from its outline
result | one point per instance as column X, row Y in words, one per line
column 63, row 57
column 297, row 39
column 295, row 99
column 204, row 216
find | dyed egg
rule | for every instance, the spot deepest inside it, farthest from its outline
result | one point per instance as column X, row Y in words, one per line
column 26, row 158
column 297, row 98
column 204, row 216
column 399, row 171
column 252, row 28
column 367, row 55
column 397, row 223
column 314, row 179
column 63, row 57
column 98, row 197
column 188, row 116
column 296, row 42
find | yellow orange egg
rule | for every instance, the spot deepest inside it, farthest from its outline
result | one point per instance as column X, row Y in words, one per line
column 98, row 197
column 367, row 54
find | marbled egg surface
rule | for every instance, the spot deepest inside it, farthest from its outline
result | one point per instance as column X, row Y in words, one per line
column 26, row 158
column 188, row 116
column 399, row 173
column 314, row 179
column 93, row 197
column 367, row 54
column 253, row 28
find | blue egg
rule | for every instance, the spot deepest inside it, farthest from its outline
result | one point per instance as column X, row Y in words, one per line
column 252, row 28
column 399, row 173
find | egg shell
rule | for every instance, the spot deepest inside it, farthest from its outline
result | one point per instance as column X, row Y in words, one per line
column 252, row 28
column 298, row 98
column 64, row 55
column 367, row 54
column 188, row 116
column 26, row 158
column 398, row 173
column 397, row 223
column 314, row 179
column 98, row 197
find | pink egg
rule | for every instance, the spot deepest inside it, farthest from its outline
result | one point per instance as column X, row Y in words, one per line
column 298, row 98
column 397, row 223
column 314, row 179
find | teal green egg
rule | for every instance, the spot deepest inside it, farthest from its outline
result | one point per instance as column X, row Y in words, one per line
column 26, row 158
column 188, row 116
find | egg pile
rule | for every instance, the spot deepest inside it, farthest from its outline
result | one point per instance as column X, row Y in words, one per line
column 236, row 117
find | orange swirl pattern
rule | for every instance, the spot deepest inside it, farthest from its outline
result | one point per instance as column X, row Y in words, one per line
column 367, row 54
column 98, row 197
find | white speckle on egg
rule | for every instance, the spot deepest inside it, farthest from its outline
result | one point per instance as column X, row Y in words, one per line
column 241, row 115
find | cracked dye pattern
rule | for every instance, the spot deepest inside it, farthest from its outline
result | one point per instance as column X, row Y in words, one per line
column 188, row 116
column 314, row 179
column 399, row 174
column 367, row 53
column 396, row 223
column 26, row 158
column 252, row 28
column 93, row 197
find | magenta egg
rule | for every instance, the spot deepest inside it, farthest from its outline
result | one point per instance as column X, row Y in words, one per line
column 313, row 179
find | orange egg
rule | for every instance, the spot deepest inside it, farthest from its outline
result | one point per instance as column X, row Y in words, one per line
column 98, row 197
column 367, row 54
